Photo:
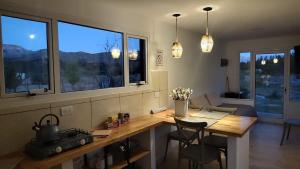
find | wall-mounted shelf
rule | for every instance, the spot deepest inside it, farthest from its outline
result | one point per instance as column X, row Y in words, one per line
column 134, row 157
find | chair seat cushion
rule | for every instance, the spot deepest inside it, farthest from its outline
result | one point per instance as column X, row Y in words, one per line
column 193, row 152
column 216, row 141
column 174, row 135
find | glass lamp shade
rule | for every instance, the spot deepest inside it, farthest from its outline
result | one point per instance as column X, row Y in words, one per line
column 263, row 62
column 275, row 60
column 177, row 50
column 207, row 43
column 115, row 53
column 133, row 55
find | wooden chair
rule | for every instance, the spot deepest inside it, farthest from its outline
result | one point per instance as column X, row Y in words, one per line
column 219, row 142
column 197, row 154
column 174, row 135
column 287, row 126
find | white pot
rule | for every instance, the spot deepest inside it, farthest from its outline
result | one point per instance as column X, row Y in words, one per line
column 181, row 107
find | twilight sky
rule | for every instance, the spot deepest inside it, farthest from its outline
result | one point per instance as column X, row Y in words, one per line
column 31, row 35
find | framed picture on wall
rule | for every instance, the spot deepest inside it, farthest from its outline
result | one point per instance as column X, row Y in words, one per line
column 160, row 57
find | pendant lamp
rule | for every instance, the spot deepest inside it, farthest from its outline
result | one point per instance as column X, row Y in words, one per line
column 176, row 46
column 207, row 41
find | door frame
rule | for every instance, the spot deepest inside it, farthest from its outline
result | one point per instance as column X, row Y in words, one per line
column 286, row 74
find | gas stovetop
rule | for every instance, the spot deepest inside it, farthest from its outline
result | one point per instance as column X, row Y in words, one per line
column 68, row 139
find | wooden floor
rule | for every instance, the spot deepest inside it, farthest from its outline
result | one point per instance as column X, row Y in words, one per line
column 265, row 151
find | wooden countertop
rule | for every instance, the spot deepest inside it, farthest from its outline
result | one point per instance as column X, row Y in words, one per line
column 230, row 125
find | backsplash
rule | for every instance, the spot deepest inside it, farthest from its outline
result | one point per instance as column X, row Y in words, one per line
column 87, row 112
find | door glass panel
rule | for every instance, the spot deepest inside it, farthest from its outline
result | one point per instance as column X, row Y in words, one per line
column 295, row 74
column 269, row 83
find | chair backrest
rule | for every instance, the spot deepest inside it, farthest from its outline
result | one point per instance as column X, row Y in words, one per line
column 197, row 127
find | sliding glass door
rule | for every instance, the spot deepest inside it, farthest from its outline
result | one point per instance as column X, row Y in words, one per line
column 272, row 79
column 270, row 84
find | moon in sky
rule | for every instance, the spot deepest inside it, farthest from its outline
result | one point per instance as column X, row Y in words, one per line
column 32, row 36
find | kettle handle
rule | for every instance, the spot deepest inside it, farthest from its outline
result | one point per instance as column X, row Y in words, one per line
column 48, row 115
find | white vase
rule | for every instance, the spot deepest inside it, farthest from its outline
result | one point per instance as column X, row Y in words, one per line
column 181, row 107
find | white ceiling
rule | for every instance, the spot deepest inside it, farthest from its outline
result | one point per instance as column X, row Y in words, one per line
column 232, row 19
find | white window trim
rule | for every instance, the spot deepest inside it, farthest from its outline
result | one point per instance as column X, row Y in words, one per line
column 49, row 48
column 146, row 60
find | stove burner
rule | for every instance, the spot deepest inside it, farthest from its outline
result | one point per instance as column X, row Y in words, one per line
column 67, row 139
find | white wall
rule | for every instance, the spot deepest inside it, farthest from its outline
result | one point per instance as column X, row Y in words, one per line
column 195, row 70
column 199, row 72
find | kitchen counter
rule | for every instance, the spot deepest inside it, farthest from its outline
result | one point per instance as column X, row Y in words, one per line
column 235, row 127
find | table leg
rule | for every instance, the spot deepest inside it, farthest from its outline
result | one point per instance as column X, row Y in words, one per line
column 152, row 148
column 238, row 152
column 67, row 165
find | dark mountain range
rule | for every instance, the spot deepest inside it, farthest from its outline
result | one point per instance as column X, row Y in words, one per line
column 18, row 53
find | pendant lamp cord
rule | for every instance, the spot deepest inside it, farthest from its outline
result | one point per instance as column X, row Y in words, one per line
column 176, row 31
column 207, row 23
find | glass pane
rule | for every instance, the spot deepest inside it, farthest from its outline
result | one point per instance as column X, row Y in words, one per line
column 25, row 53
column 269, row 83
column 137, row 60
column 90, row 58
column 245, row 75
column 295, row 74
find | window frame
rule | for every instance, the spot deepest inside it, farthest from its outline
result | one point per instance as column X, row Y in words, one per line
column 146, row 60
column 58, row 76
column 49, row 31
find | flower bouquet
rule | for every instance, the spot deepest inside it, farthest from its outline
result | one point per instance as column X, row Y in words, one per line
column 181, row 96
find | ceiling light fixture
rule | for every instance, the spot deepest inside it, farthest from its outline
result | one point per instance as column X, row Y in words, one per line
column 176, row 46
column 207, row 41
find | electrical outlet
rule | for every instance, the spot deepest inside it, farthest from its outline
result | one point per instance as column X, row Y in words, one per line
column 66, row 111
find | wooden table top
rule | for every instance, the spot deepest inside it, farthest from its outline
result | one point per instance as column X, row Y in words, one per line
column 230, row 125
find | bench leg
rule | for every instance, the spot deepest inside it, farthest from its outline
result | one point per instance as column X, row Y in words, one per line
column 283, row 133
column 288, row 134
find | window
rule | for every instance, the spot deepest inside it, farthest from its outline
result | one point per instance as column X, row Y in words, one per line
column 245, row 75
column 90, row 58
column 137, row 60
column 25, row 54
column 295, row 74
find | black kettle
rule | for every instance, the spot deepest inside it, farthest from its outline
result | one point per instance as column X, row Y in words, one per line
column 48, row 132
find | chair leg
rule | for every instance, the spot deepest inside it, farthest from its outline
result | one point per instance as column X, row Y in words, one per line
column 195, row 165
column 190, row 164
column 220, row 161
column 226, row 157
column 166, row 151
column 288, row 133
column 178, row 163
column 283, row 133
